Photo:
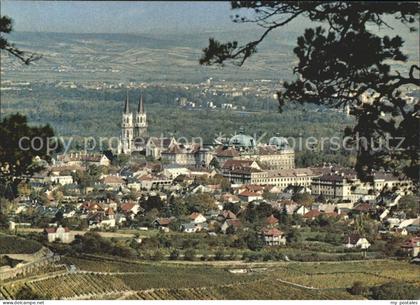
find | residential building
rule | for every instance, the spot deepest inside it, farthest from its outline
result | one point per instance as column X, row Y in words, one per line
column 412, row 246
column 197, row 218
column 60, row 233
column 354, row 240
column 273, row 237
column 73, row 159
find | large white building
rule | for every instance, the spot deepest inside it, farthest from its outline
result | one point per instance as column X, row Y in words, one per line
column 274, row 155
column 250, row 172
column 344, row 185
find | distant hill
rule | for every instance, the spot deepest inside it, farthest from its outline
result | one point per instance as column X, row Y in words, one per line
column 145, row 57
column 164, row 56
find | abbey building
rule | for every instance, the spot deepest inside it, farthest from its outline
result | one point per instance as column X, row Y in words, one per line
column 133, row 126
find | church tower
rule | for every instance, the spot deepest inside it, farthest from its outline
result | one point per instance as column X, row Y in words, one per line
column 126, row 129
column 140, row 120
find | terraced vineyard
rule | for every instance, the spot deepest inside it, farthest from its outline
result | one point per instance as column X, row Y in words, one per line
column 337, row 280
column 334, row 275
column 73, row 285
column 265, row 289
column 107, row 279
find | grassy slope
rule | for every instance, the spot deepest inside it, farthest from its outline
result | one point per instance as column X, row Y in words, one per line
column 14, row 245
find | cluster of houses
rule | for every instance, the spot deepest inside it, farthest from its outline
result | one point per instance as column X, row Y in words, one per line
column 254, row 173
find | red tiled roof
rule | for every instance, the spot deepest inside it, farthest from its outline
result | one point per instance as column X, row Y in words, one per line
column 271, row 232
column 194, row 215
column 271, row 220
column 248, row 194
column 236, row 223
column 229, row 152
column 330, row 214
column 254, row 188
column 230, row 197
column 411, row 243
column 54, row 229
column 312, row 214
column 92, row 206
column 363, row 207
column 110, row 211
column 163, row 221
column 113, row 180
column 227, row 214
column 127, row 206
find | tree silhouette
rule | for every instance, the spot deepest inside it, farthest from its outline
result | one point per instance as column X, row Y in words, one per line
column 344, row 64
column 6, row 27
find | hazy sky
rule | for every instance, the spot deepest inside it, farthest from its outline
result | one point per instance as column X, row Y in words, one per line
column 116, row 17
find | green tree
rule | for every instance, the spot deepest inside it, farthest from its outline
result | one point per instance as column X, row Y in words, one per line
column 189, row 255
column 4, row 221
column 410, row 204
column 358, row 288
column 174, row 254
column 158, row 255
column 253, row 241
column 219, row 255
column 17, row 154
column 334, row 71
column 200, row 202
column 232, row 206
column 294, row 236
column 152, row 202
column 269, row 196
column 395, row 291
column 26, row 293
column 24, row 189
column 303, row 198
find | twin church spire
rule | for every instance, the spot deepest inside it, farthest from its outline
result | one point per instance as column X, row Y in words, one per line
column 132, row 127
column 140, row 108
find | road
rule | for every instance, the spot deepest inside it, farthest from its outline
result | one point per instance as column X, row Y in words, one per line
column 77, row 232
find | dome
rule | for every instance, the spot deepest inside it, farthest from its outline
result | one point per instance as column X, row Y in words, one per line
column 242, row 141
column 279, row 142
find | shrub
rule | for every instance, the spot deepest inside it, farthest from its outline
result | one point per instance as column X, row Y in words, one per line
column 14, row 245
column 395, row 291
column 219, row 255
column 26, row 293
column 189, row 255
column 157, row 256
column 357, row 288
column 174, row 255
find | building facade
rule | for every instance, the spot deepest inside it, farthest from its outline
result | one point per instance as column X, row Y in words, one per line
column 133, row 127
column 274, row 155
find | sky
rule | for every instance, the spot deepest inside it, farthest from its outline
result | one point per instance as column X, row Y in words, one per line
column 116, row 17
